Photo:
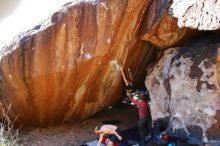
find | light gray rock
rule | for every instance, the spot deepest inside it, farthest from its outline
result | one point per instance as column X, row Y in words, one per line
column 198, row 14
column 183, row 85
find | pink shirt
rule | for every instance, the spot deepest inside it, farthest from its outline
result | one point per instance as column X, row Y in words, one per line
column 143, row 107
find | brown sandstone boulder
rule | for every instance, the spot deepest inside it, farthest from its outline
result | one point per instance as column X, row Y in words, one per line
column 160, row 28
column 184, row 85
column 68, row 66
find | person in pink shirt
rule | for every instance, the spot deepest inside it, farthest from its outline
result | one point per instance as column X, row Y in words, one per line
column 136, row 97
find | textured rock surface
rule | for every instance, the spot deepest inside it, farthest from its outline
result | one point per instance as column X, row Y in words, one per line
column 160, row 28
column 199, row 14
column 68, row 67
column 218, row 66
column 184, row 85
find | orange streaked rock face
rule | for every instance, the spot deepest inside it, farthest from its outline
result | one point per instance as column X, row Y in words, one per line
column 69, row 66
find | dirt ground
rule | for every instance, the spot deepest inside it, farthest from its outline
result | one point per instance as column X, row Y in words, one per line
column 74, row 134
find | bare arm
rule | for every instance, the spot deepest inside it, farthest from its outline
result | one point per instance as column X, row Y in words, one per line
column 129, row 70
column 100, row 140
column 134, row 101
column 124, row 78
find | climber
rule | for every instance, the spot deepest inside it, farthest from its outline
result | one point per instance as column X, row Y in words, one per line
column 111, row 133
column 144, row 122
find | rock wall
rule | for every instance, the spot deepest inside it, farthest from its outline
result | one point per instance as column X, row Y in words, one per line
column 68, row 66
column 160, row 28
column 197, row 14
column 184, row 85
